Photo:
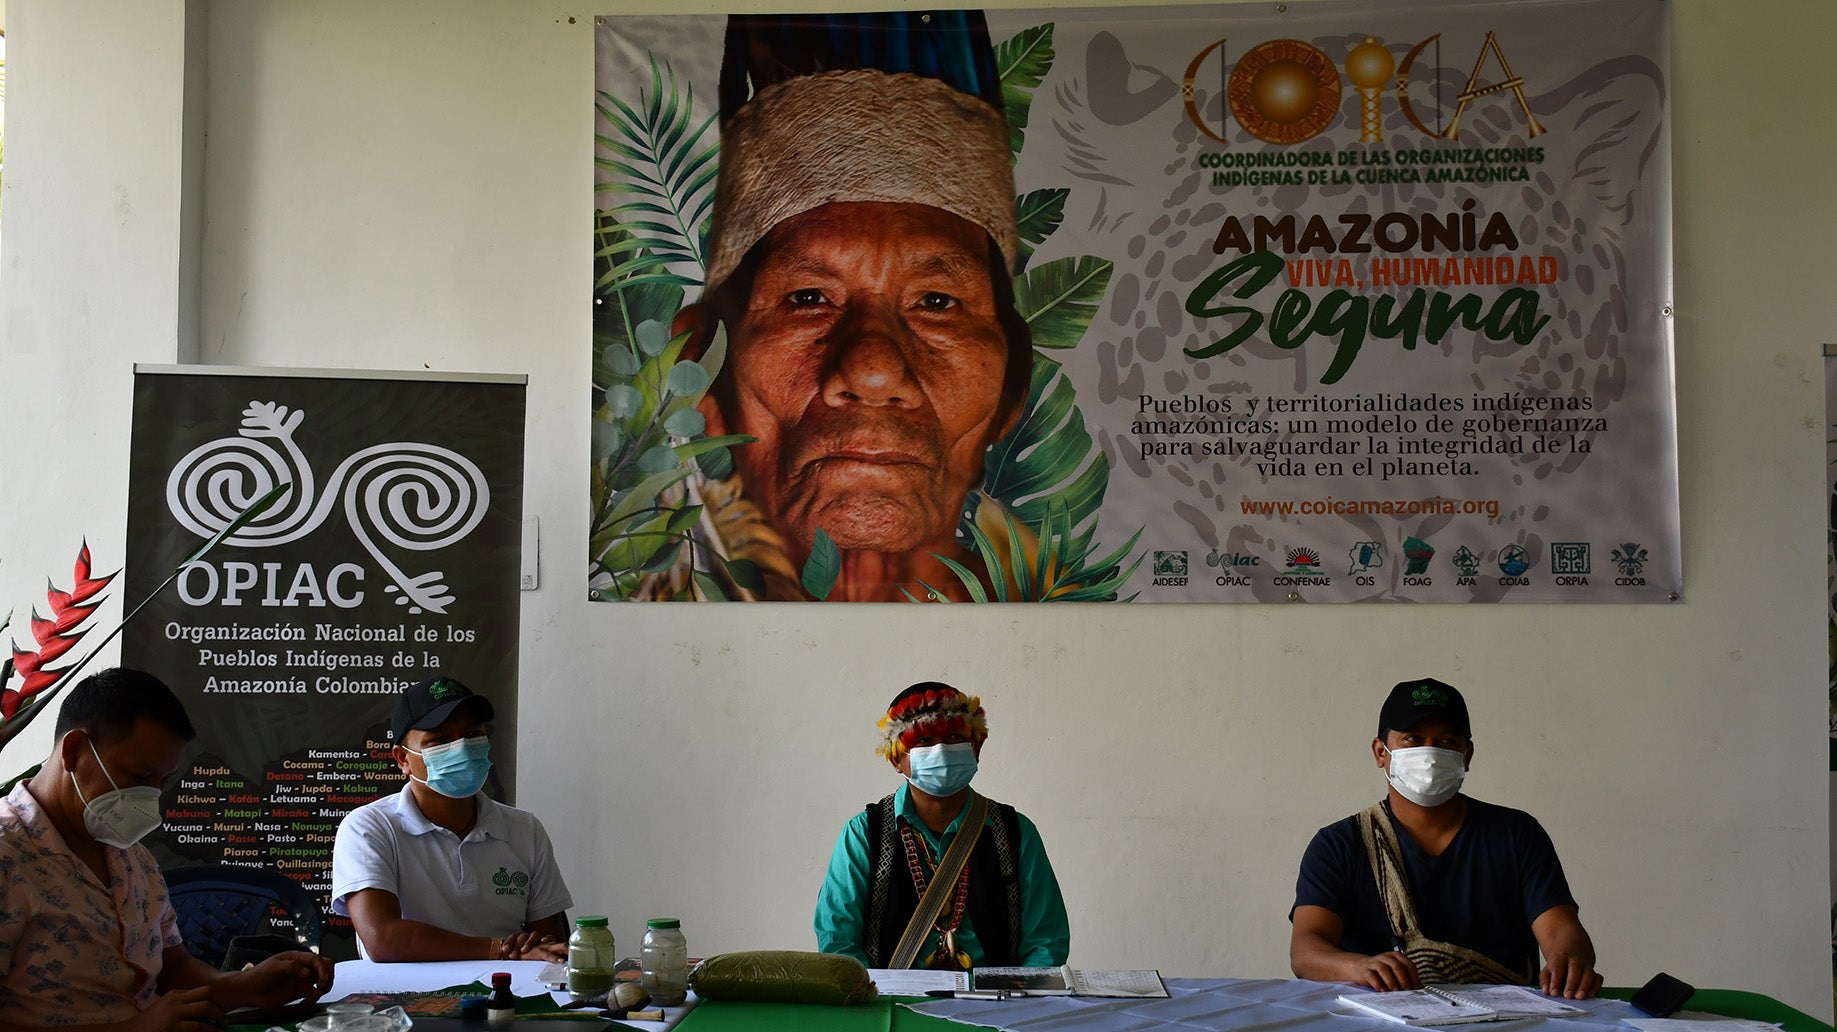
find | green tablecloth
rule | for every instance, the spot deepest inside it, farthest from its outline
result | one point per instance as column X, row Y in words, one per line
column 1733, row 1003
column 880, row 1016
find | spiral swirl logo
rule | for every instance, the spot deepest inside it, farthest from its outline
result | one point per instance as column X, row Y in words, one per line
column 398, row 496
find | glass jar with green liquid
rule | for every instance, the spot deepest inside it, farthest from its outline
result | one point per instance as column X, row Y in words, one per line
column 591, row 959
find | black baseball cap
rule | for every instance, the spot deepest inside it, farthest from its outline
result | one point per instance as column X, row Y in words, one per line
column 1412, row 702
column 425, row 705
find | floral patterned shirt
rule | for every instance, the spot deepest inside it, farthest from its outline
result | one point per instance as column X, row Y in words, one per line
column 72, row 950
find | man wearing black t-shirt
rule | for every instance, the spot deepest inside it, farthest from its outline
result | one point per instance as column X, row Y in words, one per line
column 1429, row 885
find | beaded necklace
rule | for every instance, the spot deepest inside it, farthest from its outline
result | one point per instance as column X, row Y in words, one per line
column 920, row 863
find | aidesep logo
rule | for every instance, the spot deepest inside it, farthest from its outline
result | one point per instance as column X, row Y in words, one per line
column 511, row 883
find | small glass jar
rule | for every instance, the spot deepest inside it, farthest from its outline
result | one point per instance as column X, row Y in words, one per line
column 664, row 961
column 591, row 960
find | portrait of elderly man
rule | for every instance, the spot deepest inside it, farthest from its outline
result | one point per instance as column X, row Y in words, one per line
column 860, row 261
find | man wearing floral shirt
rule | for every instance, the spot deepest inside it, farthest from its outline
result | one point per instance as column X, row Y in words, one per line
column 87, row 935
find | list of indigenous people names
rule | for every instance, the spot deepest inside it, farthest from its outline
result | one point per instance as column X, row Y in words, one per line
column 285, row 816
column 280, row 807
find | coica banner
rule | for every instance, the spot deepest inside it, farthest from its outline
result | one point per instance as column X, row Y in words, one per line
column 394, row 557
column 1226, row 303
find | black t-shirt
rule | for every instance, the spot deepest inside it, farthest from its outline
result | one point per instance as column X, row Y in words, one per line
column 1497, row 875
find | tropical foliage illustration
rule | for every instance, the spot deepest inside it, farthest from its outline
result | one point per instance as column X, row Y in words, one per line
column 655, row 185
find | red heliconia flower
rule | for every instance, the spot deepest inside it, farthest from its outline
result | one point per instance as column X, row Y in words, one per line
column 55, row 634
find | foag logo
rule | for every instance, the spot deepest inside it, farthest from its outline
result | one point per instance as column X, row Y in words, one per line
column 511, row 883
column 1170, row 569
column 1418, row 552
column 411, row 496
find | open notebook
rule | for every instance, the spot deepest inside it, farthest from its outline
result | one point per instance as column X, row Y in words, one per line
column 1460, row 1004
column 1031, row 981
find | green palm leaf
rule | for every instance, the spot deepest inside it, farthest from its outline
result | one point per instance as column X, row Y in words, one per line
column 662, row 160
column 1038, row 213
column 1059, row 299
column 1049, row 459
column 1023, row 61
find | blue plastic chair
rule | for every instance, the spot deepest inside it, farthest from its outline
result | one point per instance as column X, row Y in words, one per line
column 217, row 902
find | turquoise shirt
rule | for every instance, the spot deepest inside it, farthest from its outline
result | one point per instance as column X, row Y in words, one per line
column 841, row 908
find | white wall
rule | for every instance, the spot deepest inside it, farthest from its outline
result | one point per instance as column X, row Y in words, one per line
column 407, row 184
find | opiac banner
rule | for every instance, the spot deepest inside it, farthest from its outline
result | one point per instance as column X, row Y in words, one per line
column 1320, row 301
column 395, row 556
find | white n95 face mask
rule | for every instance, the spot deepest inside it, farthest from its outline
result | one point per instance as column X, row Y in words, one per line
column 121, row 817
column 1427, row 776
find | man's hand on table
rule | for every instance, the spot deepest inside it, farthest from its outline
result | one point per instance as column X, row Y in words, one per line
column 284, row 978
column 182, row 1010
column 1386, row 971
column 1569, row 976
column 531, row 946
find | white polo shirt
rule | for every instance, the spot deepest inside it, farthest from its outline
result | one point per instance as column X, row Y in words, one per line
column 500, row 877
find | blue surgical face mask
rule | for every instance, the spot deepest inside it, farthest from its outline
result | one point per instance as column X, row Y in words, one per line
column 456, row 769
column 942, row 770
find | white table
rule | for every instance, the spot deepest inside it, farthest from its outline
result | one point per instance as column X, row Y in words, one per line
column 1238, row 1004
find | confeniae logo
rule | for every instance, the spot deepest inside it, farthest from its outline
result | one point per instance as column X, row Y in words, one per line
column 399, row 496
column 511, row 883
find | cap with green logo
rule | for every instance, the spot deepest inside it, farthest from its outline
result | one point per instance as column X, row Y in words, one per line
column 1412, row 702
column 427, row 704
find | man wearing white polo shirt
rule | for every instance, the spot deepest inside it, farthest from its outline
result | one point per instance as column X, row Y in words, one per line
column 440, row 871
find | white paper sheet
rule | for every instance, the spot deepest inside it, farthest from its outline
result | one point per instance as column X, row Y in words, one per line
column 1697, row 1021
column 916, row 981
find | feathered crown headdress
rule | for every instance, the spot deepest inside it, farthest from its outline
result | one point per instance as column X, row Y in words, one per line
column 930, row 708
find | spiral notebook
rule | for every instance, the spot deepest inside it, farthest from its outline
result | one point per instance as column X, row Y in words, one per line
column 1460, row 1004
column 1070, row 981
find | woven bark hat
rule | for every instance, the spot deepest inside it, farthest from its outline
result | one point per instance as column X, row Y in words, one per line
column 859, row 135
